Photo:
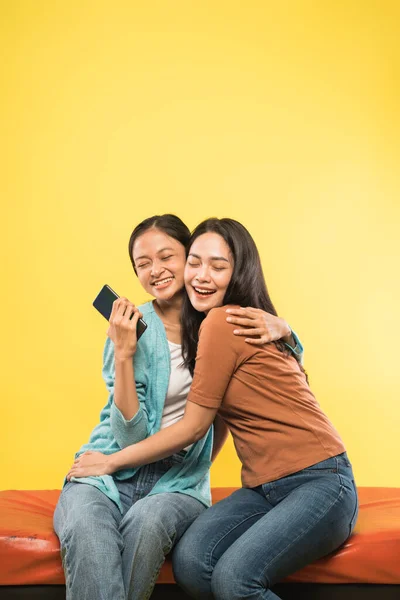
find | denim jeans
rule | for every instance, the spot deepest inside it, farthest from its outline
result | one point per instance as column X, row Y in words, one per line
column 244, row 544
column 107, row 555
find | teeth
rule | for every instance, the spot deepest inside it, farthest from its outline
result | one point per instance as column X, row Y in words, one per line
column 204, row 292
column 163, row 281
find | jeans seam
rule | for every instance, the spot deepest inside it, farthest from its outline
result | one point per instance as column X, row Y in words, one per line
column 226, row 531
column 64, row 560
column 166, row 550
column 356, row 509
column 153, row 580
column 172, row 535
column 340, row 494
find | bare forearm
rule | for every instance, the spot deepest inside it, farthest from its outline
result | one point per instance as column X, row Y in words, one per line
column 125, row 396
column 160, row 445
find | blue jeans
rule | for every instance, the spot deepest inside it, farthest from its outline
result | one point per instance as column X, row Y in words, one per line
column 107, row 555
column 243, row 545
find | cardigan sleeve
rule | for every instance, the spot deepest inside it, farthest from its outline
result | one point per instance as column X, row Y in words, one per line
column 126, row 432
column 297, row 350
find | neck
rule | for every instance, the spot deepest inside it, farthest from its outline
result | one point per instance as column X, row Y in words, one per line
column 170, row 309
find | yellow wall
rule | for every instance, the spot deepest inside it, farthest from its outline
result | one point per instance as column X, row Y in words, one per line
column 283, row 115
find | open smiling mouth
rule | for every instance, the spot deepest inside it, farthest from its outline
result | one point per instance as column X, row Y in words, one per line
column 162, row 281
column 204, row 293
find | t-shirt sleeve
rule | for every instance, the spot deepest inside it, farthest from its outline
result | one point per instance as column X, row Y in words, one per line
column 216, row 360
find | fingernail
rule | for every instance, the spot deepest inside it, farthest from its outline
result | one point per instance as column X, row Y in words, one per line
column 236, row 331
column 229, row 319
column 228, row 310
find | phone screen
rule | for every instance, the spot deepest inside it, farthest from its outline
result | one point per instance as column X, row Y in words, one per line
column 104, row 302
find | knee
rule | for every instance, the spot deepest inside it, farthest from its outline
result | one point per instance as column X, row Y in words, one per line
column 85, row 525
column 231, row 581
column 190, row 568
column 79, row 527
column 145, row 517
column 225, row 583
column 185, row 562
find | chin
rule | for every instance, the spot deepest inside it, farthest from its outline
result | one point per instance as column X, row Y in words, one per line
column 169, row 293
column 196, row 304
column 202, row 306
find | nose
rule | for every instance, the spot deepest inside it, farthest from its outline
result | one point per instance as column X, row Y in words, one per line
column 156, row 268
column 203, row 274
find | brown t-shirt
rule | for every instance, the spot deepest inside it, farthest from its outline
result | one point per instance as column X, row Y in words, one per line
column 277, row 425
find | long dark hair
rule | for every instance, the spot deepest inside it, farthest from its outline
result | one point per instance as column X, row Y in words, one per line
column 169, row 224
column 247, row 286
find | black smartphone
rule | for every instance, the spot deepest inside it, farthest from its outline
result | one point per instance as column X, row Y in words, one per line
column 103, row 303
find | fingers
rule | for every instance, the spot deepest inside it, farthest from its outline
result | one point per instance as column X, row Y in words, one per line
column 87, row 453
column 257, row 331
column 114, row 309
column 118, row 308
column 126, row 309
column 257, row 341
column 129, row 312
column 75, row 473
column 72, row 473
column 76, row 469
column 135, row 319
column 243, row 322
column 122, row 311
column 243, row 311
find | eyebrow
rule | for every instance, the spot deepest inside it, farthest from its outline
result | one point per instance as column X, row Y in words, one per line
column 158, row 252
column 211, row 257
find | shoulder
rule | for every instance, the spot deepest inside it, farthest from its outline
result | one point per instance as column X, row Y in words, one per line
column 146, row 309
column 216, row 319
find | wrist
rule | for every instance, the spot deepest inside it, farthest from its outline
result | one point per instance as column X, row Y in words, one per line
column 287, row 335
column 113, row 463
column 122, row 358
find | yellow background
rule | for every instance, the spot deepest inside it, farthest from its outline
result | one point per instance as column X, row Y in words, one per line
column 283, row 115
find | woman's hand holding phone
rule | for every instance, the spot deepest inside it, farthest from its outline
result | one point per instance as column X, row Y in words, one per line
column 122, row 330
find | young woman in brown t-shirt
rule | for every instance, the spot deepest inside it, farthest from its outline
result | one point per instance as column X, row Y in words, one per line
column 298, row 501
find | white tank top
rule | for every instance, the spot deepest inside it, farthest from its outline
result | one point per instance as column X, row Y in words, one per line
column 178, row 389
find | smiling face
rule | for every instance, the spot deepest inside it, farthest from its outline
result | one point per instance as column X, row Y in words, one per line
column 159, row 262
column 208, row 271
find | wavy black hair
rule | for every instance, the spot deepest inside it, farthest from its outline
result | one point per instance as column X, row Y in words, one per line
column 168, row 223
column 247, row 286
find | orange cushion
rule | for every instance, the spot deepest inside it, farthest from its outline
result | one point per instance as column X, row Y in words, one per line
column 30, row 552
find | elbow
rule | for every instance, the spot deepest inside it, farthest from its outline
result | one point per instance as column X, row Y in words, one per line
column 199, row 432
column 193, row 428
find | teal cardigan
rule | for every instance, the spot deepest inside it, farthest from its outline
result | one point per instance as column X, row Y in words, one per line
column 152, row 372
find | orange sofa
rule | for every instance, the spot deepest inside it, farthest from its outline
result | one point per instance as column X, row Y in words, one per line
column 368, row 564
